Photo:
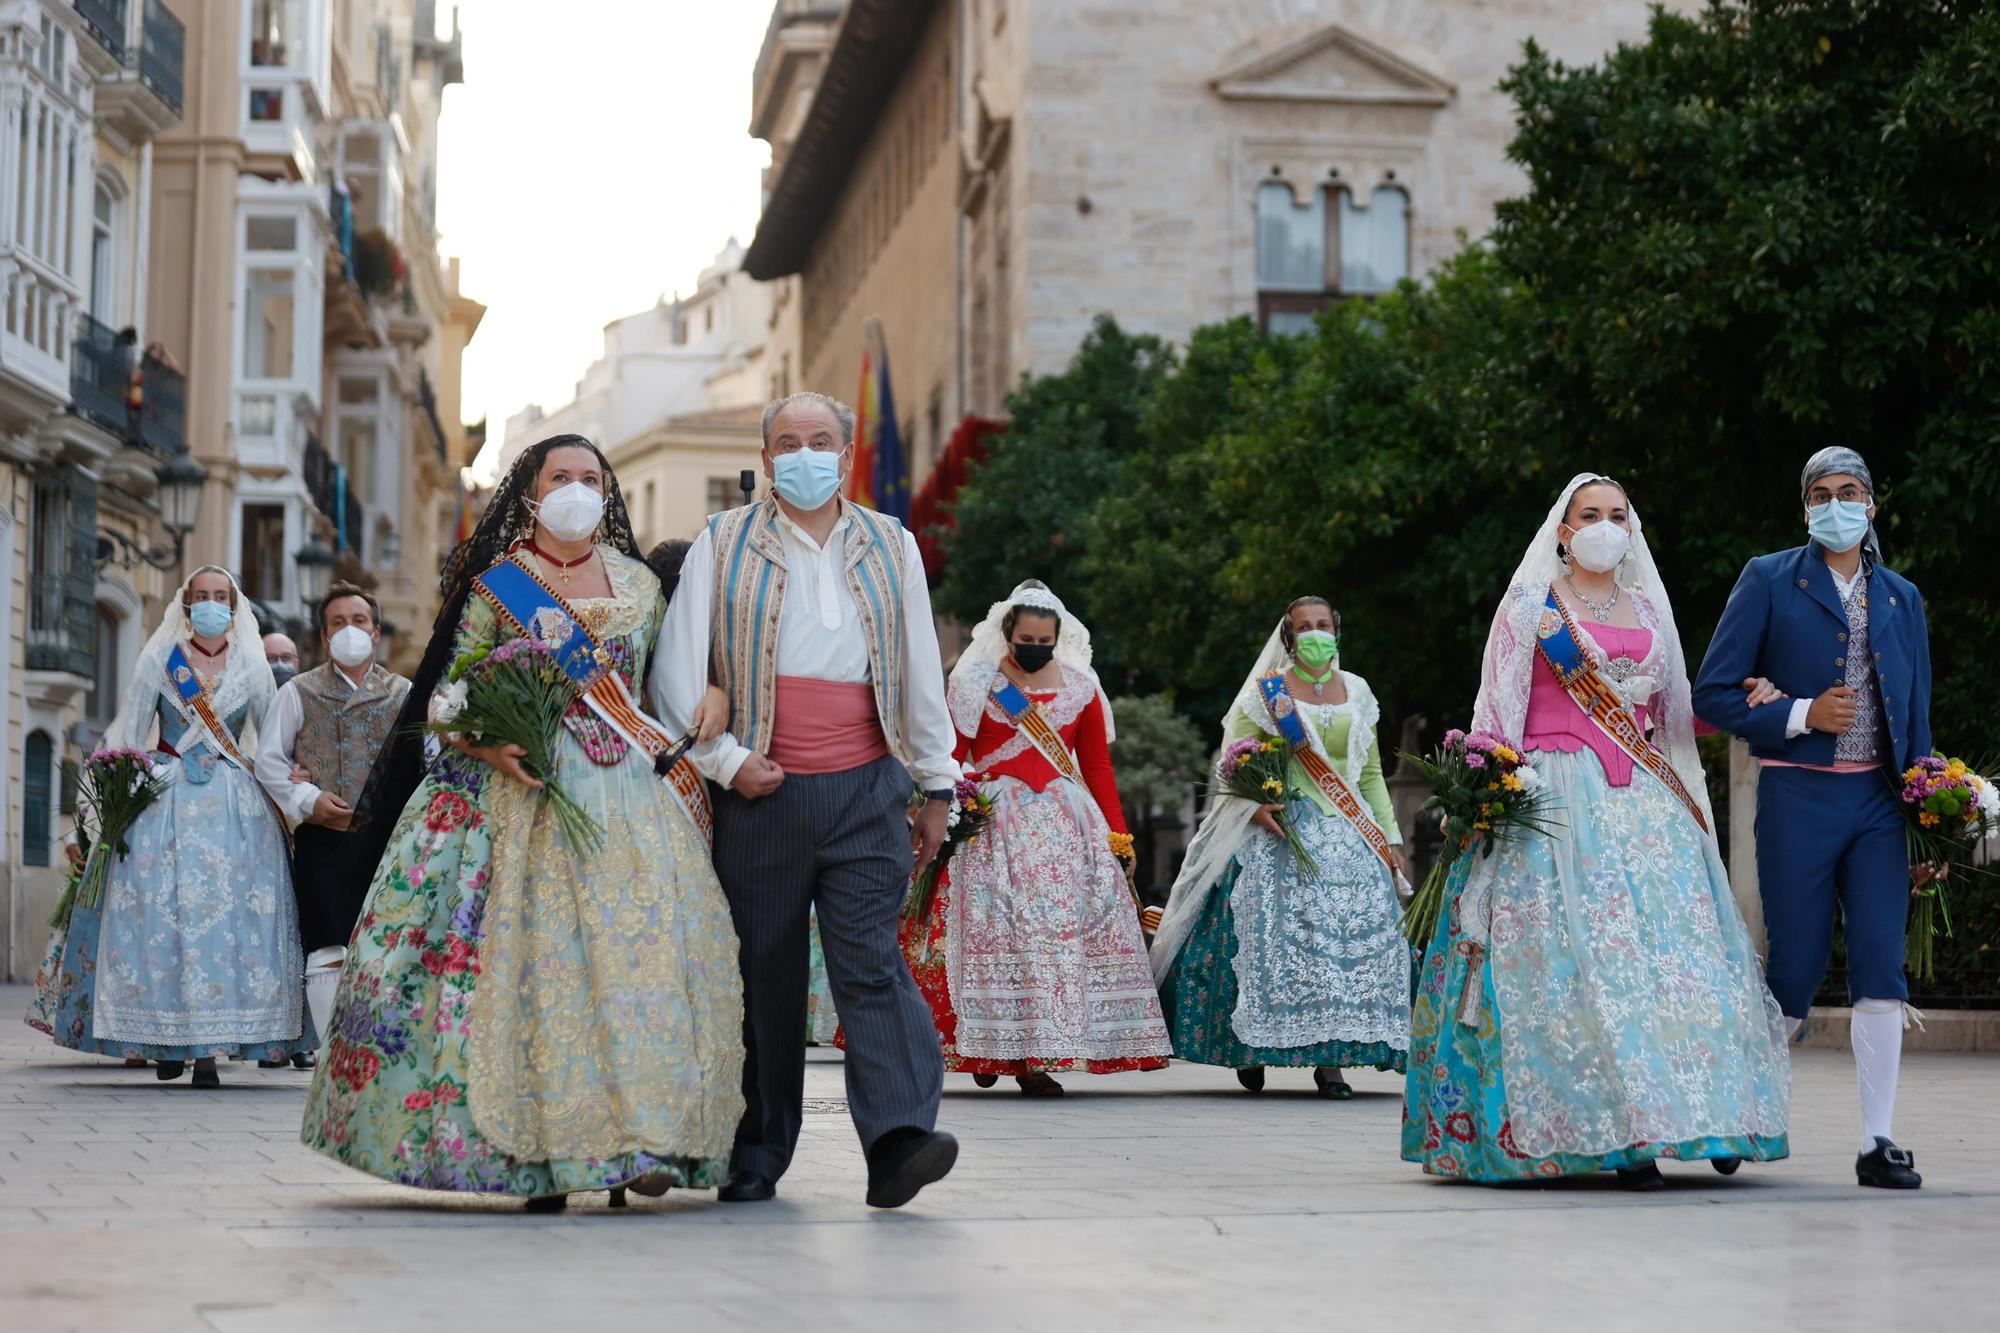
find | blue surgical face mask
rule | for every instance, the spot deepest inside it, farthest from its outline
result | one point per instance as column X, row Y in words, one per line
column 211, row 619
column 808, row 477
column 1838, row 525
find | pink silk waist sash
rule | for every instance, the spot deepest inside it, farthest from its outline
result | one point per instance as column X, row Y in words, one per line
column 825, row 726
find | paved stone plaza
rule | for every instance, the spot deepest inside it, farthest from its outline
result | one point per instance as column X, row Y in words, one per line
column 1150, row 1201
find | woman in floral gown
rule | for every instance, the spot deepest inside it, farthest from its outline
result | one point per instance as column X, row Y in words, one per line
column 1591, row 1000
column 514, row 1018
column 193, row 953
column 1261, row 963
column 1032, row 957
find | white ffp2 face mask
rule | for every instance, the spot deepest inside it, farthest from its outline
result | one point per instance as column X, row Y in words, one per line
column 351, row 645
column 570, row 512
column 1599, row 547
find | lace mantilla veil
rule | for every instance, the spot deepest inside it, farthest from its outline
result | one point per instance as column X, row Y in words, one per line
column 1507, row 671
column 972, row 676
column 246, row 678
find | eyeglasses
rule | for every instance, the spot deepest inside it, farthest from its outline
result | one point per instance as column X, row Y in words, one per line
column 819, row 444
column 1819, row 495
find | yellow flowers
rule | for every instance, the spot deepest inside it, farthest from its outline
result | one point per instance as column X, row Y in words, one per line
column 1121, row 844
column 1493, row 786
column 1955, row 770
column 1912, row 774
column 1273, row 787
column 1927, row 819
column 1272, row 747
column 1511, row 782
column 1506, row 754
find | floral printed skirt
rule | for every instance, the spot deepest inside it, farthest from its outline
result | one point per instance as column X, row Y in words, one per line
column 193, row 950
column 610, row 986
column 1032, row 958
column 1615, row 1014
column 1199, row 996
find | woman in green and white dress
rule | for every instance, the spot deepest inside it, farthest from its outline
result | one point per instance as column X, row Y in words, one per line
column 1261, row 964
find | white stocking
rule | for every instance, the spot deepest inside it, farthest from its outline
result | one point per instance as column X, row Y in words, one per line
column 1877, row 1037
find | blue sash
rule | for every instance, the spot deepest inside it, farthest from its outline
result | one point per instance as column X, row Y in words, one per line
column 1284, row 711
column 539, row 613
column 194, row 702
column 1029, row 720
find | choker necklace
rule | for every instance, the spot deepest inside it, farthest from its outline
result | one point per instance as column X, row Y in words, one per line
column 1600, row 613
column 562, row 567
column 205, row 652
column 1318, row 682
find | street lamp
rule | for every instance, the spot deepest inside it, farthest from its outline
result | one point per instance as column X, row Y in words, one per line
column 181, row 482
column 315, row 562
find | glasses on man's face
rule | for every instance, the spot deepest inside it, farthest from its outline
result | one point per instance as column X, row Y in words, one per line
column 1850, row 492
column 821, row 444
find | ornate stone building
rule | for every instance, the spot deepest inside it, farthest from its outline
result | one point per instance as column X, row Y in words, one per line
column 988, row 176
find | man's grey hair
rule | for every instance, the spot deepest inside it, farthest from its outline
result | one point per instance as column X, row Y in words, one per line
column 842, row 413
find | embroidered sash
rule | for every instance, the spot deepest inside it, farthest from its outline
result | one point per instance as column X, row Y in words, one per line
column 529, row 605
column 1284, row 713
column 1561, row 646
column 194, row 701
column 1029, row 719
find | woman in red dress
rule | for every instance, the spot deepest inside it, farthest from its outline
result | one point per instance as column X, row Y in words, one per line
column 1031, row 956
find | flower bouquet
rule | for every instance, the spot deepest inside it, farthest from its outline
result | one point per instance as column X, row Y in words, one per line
column 1487, row 791
column 516, row 694
column 116, row 785
column 971, row 812
column 1948, row 810
column 1260, row 771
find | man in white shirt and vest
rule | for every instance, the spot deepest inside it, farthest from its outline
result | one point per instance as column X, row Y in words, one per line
column 814, row 614
column 314, row 751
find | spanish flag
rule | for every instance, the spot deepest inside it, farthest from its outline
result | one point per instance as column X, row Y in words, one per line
column 880, row 478
column 462, row 528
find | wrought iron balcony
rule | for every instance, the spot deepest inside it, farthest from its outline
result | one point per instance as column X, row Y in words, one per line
column 100, row 391
column 106, row 20
column 162, row 53
column 163, row 412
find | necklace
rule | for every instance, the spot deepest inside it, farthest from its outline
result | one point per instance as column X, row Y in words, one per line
column 1318, row 682
column 205, row 652
column 562, row 567
column 1600, row 612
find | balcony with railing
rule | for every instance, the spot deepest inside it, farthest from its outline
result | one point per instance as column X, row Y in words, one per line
column 333, row 496
column 101, row 392
column 106, row 22
column 142, row 96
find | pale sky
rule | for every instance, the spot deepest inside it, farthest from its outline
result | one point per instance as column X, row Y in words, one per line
column 597, row 155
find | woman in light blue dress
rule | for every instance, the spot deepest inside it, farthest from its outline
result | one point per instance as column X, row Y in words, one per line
column 1591, row 1000
column 193, row 951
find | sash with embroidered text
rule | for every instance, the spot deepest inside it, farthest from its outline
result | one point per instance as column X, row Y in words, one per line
column 530, row 606
column 1561, row 646
column 1284, row 711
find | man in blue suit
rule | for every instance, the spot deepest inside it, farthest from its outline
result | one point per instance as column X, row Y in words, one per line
column 1828, row 628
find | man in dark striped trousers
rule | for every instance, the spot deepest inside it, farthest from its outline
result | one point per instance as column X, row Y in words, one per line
column 816, row 619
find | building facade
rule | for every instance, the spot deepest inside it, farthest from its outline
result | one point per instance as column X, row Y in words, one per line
column 87, row 88
column 988, row 176
column 674, row 401
column 216, row 246
column 322, row 399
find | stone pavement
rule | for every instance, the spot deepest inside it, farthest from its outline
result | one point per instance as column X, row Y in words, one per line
column 1145, row 1201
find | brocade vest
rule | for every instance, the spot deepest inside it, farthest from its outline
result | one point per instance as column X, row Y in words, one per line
column 342, row 729
column 750, row 576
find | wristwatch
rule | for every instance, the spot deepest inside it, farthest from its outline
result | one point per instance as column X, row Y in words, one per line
column 942, row 794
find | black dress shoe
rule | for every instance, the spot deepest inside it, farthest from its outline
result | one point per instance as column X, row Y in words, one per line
column 272, row 1064
column 168, row 1070
column 1888, row 1167
column 1642, row 1178
column 747, row 1187
column 206, row 1077
column 548, row 1203
column 1252, row 1078
column 305, row 1060
column 1725, row 1166
column 906, row 1160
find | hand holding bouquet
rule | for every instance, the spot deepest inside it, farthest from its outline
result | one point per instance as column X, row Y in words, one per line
column 1487, row 791
column 1260, row 771
column 1948, row 810
column 115, row 785
column 971, row 811
column 516, row 694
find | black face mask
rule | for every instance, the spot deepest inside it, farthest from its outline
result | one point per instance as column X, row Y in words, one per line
column 1032, row 657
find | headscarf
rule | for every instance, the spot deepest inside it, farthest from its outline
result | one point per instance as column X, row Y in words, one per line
column 246, row 676
column 1832, row 461
column 507, row 521
column 972, row 676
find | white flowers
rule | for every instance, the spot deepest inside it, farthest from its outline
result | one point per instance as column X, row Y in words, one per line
column 1529, row 777
column 1989, row 797
column 450, row 702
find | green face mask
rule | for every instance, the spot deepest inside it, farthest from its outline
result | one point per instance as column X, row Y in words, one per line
column 1316, row 648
